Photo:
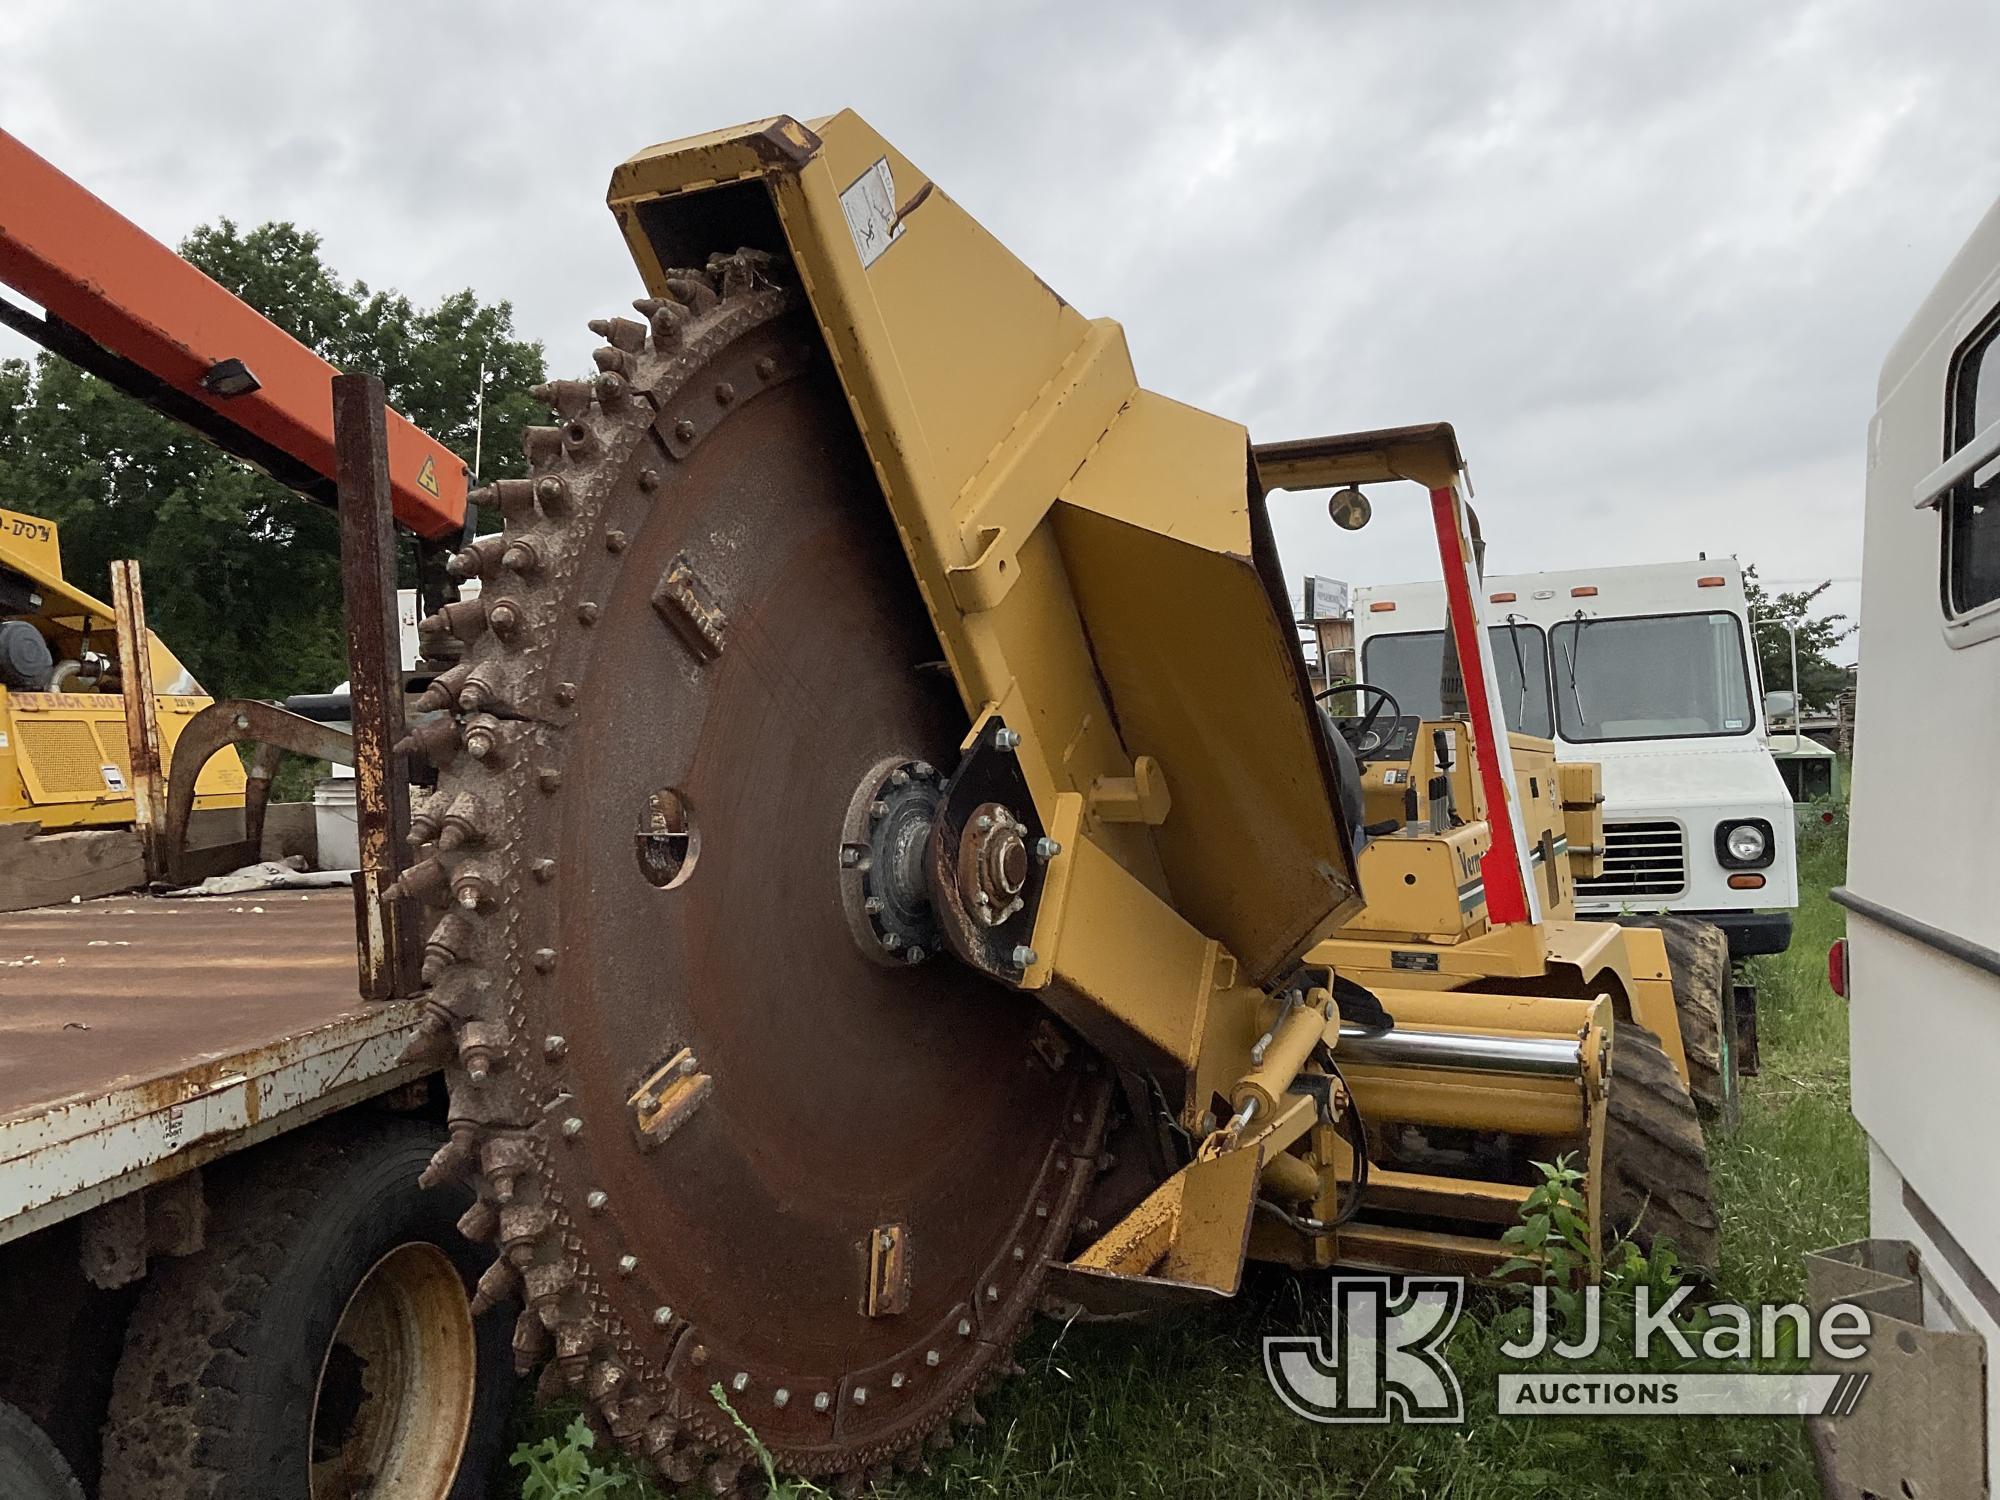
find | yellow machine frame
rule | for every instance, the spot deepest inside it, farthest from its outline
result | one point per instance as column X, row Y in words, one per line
column 1048, row 505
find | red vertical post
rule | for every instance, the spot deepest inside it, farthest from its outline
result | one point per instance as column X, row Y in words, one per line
column 1509, row 895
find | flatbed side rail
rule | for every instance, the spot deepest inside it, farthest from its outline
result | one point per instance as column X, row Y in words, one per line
column 62, row 1160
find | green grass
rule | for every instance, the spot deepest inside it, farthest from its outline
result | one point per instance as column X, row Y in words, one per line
column 1182, row 1408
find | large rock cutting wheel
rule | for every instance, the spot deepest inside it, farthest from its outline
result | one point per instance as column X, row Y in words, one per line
column 729, row 1129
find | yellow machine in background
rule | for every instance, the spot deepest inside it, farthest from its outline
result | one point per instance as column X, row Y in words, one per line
column 64, row 757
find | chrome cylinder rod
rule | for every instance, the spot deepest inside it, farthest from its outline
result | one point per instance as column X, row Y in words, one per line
column 1542, row 1056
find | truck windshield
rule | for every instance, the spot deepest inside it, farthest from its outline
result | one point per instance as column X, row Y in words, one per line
column 1408, row 666
column 1648, row 677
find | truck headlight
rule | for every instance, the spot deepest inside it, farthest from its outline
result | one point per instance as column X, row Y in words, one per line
column 1745, row 844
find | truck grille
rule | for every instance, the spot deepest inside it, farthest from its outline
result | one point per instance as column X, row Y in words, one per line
column 1640, row 859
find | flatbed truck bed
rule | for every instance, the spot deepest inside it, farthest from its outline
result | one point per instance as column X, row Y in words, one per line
column 142, row 1036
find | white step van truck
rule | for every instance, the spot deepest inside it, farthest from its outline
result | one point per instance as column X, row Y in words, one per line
column 1648, row 671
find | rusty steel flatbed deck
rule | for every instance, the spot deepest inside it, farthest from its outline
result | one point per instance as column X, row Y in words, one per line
column 141, row 1036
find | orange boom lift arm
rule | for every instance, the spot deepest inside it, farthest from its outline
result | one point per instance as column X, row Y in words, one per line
column 126, row 308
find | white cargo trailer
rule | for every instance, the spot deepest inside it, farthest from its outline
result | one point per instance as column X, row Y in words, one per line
column 1921, row 961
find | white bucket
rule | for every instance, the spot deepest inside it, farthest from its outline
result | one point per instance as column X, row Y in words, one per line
column 334, row 823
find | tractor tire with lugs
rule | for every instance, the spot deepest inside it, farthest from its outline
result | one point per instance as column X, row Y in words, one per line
column 1698, row 959
column 1656, row 1180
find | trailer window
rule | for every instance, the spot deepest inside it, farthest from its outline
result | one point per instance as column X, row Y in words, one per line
column 1972, row 510
column 1409, row 666
column 1650, row 677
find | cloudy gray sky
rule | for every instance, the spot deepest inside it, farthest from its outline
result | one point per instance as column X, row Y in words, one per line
column 1647, row 256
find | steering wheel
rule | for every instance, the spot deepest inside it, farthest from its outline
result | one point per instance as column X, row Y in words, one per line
column 1360, row 735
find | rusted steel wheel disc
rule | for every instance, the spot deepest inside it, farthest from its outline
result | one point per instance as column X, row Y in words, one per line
column 721, row 1142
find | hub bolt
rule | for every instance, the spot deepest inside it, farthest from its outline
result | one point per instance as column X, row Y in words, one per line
column 1047, row 848
column 1023, row 956
column 1005, row 739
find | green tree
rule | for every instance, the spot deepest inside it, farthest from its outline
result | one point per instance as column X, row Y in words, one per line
column 1775, row 617
column 243, row 576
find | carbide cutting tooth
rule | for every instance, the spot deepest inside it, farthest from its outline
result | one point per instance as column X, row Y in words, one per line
column 451, row 941
column 481, row 1048
column 462, row 619
column 479, row 1222
column 428, row 1049
column 443, row 690
column 484, row 689
column 738, row 274
column 627, row 1419
column 541, row 445
column 552, row 493
column 645, row 307
column 849, row 1484
column 463, row 824
column 523, row 1224
column 669, row 322
column 679, row 1465
column 574, row 1342
column 552, row 1385
column 531, row 1342
column 606, row 1377
column 427, row 881
column 620, row 333
column 612, row 390
column 939, row 1439
column 545, row 1283
column 692, row 290
column 723, row 1475
column 496, row 1286
column 506, row 619
column 475, row 557
column 472, row 891
column 911, row 1459
column 453, row 1160
column 618, row 361
column 427, row 814
column 569, row 399
column 436, row 740
column 969, row 1416
column 525, row 556
column 484, row 740
column 516, row 499
column 660, row 1434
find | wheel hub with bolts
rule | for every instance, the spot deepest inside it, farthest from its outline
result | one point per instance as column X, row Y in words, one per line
column 993, row 863
column 882, row 846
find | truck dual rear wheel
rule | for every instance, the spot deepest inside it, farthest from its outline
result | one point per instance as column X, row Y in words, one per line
column 322, row 1346
column 1656, row 1184
column 30, row 1466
